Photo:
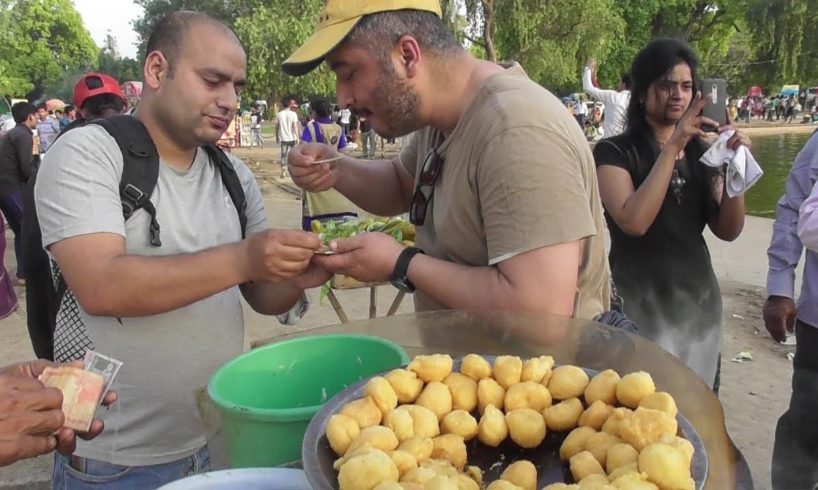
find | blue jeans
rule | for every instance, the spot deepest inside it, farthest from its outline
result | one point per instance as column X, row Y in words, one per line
column 98, row 475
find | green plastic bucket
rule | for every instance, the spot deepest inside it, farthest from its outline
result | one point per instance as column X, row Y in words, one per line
column 268, row 396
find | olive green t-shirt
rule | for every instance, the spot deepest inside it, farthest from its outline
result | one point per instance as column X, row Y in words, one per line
column 517, row 175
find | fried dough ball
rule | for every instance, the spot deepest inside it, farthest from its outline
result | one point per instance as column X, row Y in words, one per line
column 382, row 394
column 419, row 447
column 492, row 429
column 441, row 467
column 367, row 470
column 341, row 431
column 377, row 436
column 611, row 426
column 364, row 411
column 401, row 423
column 521, row 473
column 594, row 482
column 406, row 384
column 596, row 415
column 660, row 401
column 430, row 368
column 666, row 467
column 584, row 464
column 463, row 390
column 476, row 367
column 526, row 427
column 682, row 444
column 646, row 426
column 527, row 394
column 424, row 421
column 419, row 475
column 507, row 370
column 390, row 485
column 624, row 470
column 567, row 382
column 598, row 445
column 452, row 448
column 564, row 415
column 440, row 482
column 489, row 392
column 602, row 387
column 475, row 474
column 632, row 388
column 561, row 486
column 502, row 485
column 575, row 442
column 404, row 461
column 633, row 480
column 437, row 398
column 537, row 369
column 464, row 482
column 461, row 423
column 619, row 455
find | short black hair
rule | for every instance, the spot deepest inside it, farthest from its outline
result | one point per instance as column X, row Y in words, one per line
column 21, row 110
column 168, row 35
column 321, row 107
column 69, row 108
column 42, row 106
column 97, row 105
column 651, row 64
column 380, row 31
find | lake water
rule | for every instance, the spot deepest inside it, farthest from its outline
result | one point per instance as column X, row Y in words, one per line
column 775, row 154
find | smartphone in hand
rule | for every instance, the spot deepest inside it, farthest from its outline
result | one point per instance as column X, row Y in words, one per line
column 714, row 92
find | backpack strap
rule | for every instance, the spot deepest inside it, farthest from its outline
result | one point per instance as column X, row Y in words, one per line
column 231, row 181
column 140, row 170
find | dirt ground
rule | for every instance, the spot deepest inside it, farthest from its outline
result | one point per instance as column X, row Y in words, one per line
column 754, row 393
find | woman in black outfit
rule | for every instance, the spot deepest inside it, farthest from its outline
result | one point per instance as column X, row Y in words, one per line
column 658, row 198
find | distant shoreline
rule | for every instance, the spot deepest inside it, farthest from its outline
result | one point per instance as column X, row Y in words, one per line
column 762, row 129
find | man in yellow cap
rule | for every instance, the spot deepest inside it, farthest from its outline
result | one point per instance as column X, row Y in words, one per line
column 498, row 178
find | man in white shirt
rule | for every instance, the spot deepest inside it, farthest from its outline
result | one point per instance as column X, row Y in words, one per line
column 345, row 114
column 616, row 101
column 287, row 131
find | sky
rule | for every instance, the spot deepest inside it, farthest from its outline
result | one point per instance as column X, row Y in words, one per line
column 100, row 16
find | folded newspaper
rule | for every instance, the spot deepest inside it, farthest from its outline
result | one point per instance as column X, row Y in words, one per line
column 82, row 389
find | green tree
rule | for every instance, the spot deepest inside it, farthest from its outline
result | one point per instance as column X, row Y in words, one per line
column 110, row 62
column 227, row 11
column 40, row 40
column 270, row 34
column 785, row 33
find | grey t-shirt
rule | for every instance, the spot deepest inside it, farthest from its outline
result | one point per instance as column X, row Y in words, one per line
column 166, row 357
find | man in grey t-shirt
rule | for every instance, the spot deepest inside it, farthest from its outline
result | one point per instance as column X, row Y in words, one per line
column 172, row 314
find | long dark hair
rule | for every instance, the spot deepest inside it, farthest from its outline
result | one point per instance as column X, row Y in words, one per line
column 653, row 62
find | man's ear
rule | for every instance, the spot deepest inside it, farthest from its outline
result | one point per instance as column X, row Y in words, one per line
column 155, row 70
column 410, row 56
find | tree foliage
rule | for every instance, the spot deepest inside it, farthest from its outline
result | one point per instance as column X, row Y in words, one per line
column 40, row 41
column 270, row 34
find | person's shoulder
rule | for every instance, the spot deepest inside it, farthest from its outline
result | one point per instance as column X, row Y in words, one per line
column 86, row 138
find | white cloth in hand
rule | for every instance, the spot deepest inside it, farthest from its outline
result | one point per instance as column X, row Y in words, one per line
column 743, row 170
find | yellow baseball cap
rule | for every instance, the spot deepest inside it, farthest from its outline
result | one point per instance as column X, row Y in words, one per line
column 335, row 21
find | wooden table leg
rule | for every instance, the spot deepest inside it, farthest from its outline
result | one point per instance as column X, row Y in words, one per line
column 373, row 302
column 396, row 303
column 339, row 310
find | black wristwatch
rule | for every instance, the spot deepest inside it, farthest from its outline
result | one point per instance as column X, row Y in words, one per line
column 399, row 279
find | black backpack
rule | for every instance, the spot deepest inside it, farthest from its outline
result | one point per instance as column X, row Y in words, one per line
column 46, row 289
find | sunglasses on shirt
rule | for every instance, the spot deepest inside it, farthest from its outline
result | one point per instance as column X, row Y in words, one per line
column 424, row 190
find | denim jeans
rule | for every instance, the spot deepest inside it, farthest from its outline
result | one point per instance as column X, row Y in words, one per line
column 98, row 475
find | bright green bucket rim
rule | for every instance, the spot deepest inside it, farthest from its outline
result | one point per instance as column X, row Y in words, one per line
column 285, row 414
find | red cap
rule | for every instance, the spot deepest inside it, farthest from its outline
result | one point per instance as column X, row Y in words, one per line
column 92, row 84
